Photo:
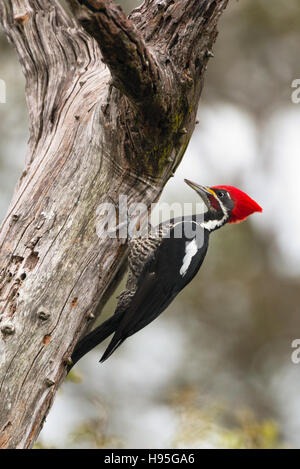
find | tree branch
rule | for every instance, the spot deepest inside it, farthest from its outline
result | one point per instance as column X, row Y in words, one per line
column 133, row 67
column 157, row 58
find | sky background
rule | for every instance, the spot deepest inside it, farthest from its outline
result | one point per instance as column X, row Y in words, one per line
column 215, row 369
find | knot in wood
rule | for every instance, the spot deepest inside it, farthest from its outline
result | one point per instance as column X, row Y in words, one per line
column 49, row 382
column 44, row 315
column 7, row 329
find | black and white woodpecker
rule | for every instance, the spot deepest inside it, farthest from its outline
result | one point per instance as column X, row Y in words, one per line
column 162, row 264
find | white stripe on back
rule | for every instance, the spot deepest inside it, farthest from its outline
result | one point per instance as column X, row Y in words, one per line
column 190, row 250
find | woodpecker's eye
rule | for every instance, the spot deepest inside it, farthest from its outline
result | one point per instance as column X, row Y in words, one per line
column 221, row 194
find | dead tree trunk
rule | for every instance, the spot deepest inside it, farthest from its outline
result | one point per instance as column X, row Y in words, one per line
column 112, row 104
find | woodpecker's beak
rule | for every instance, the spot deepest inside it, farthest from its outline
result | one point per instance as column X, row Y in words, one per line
column 203, row 191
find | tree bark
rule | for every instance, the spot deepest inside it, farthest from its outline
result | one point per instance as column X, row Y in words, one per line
column 112, row 103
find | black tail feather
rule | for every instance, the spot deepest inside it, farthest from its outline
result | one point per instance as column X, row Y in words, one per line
column 94, row 338
column 113, row 345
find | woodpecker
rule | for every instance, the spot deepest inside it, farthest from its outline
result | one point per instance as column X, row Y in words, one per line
column 162, row 264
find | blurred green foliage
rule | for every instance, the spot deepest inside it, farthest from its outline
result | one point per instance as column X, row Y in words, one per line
column 218, row 427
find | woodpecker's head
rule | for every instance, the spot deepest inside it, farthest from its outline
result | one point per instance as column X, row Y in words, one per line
column 225, row 204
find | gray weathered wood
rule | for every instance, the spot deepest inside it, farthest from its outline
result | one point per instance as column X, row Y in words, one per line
column 112, row 104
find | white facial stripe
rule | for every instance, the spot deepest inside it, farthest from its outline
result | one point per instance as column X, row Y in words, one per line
column 213, row 224
column 224, row 209
column 190, row 250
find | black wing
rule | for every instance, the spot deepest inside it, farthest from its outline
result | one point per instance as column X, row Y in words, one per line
column 162, row 278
